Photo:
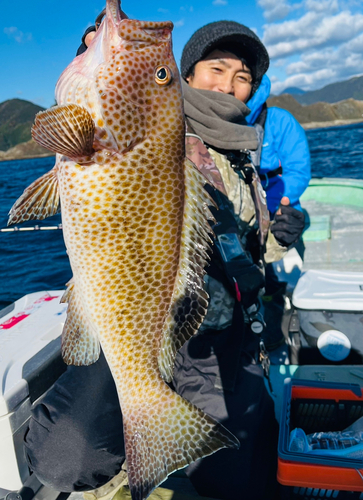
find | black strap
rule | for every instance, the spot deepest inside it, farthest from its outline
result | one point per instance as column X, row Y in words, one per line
column 240, row 162
column 261, row 119
column 99, row 18
column 272, row 173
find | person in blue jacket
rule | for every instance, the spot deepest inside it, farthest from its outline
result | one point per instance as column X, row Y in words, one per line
column 285, row 157
column 282, row 157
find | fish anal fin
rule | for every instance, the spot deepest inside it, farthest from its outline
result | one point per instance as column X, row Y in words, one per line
column 80, row 344
column 166, row 438
column 189, row 301
column 39, row 200
column 67, row 296
column 68, row 130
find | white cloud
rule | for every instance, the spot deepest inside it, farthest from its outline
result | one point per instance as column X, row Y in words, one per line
column 163, row 11
column 179, row 24
column 18, row 35
column 220, row 2
column 319, row 43
column 312, row 30
column 347, row 55
column 317, row 69
column 275, row 10
column 280, row 63
column 325, row 6
column 313, row 81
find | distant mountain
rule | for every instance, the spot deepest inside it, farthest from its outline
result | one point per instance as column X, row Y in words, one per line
column 29, row 149
column 335, row 92
column 16, row 119
column 17, row 116
column 320, row 113
column 293, row 91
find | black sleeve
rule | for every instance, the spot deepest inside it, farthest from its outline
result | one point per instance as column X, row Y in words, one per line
column 83, row 47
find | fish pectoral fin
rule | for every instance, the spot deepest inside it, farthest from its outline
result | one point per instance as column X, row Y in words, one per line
column 80, row 343
column 39, row 200
column 164, row 438
column 68, row 130
column 189, row 301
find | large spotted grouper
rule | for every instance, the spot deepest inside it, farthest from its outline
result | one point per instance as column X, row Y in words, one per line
column 135, row 223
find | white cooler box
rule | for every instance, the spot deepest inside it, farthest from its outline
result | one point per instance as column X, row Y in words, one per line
column 326, row 326
column 30, row 362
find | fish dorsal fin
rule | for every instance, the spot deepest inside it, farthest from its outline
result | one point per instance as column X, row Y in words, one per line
column 68, row 130
column 39, row 200
column 189, row 301
column 80, row 344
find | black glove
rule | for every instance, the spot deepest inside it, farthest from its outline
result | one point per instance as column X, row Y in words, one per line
column 288, row 226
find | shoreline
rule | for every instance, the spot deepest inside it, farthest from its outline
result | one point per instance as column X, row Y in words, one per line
column 333, row 123
column 30, row 157
column 9, row 156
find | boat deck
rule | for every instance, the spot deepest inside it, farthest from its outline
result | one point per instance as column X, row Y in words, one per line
column 333, row 240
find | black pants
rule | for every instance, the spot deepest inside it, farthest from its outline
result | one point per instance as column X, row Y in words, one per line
column 75, row 439
column 75, row 436
column 218, row 372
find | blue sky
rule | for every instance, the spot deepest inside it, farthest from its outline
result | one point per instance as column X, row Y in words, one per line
column 311, row 42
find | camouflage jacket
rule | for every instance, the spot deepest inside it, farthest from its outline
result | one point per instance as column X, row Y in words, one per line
column 227, row 180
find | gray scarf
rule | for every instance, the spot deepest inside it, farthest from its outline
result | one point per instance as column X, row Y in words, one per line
column 219, row 119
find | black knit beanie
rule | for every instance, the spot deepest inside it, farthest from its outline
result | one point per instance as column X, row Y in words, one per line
column 221, row 33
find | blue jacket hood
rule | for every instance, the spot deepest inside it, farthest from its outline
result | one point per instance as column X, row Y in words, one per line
column 259, row 98
column 285, row 145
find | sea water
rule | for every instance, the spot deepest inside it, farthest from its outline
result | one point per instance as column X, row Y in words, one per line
column 337, row 151
column 37, row 260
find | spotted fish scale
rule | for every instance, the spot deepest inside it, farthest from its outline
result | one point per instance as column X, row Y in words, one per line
column 135, row 223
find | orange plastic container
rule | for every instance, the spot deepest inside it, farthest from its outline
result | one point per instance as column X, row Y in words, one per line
column 314, row 407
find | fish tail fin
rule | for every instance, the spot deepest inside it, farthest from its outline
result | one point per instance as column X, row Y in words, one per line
column 169, row 436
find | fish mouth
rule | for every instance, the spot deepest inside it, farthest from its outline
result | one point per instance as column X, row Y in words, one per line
column 145, row 32
column 134, row 31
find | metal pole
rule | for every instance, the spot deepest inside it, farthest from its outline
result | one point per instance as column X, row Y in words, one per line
column 32, row 228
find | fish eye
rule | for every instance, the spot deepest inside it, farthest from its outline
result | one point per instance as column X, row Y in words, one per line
column 163, row 75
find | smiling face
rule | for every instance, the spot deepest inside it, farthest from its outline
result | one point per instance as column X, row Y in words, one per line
column 222, row 71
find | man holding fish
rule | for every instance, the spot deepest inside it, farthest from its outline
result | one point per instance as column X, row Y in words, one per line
column 135, row 217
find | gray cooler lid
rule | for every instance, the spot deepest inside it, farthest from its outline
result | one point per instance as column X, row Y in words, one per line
column 30, row 331
column 329, row 290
